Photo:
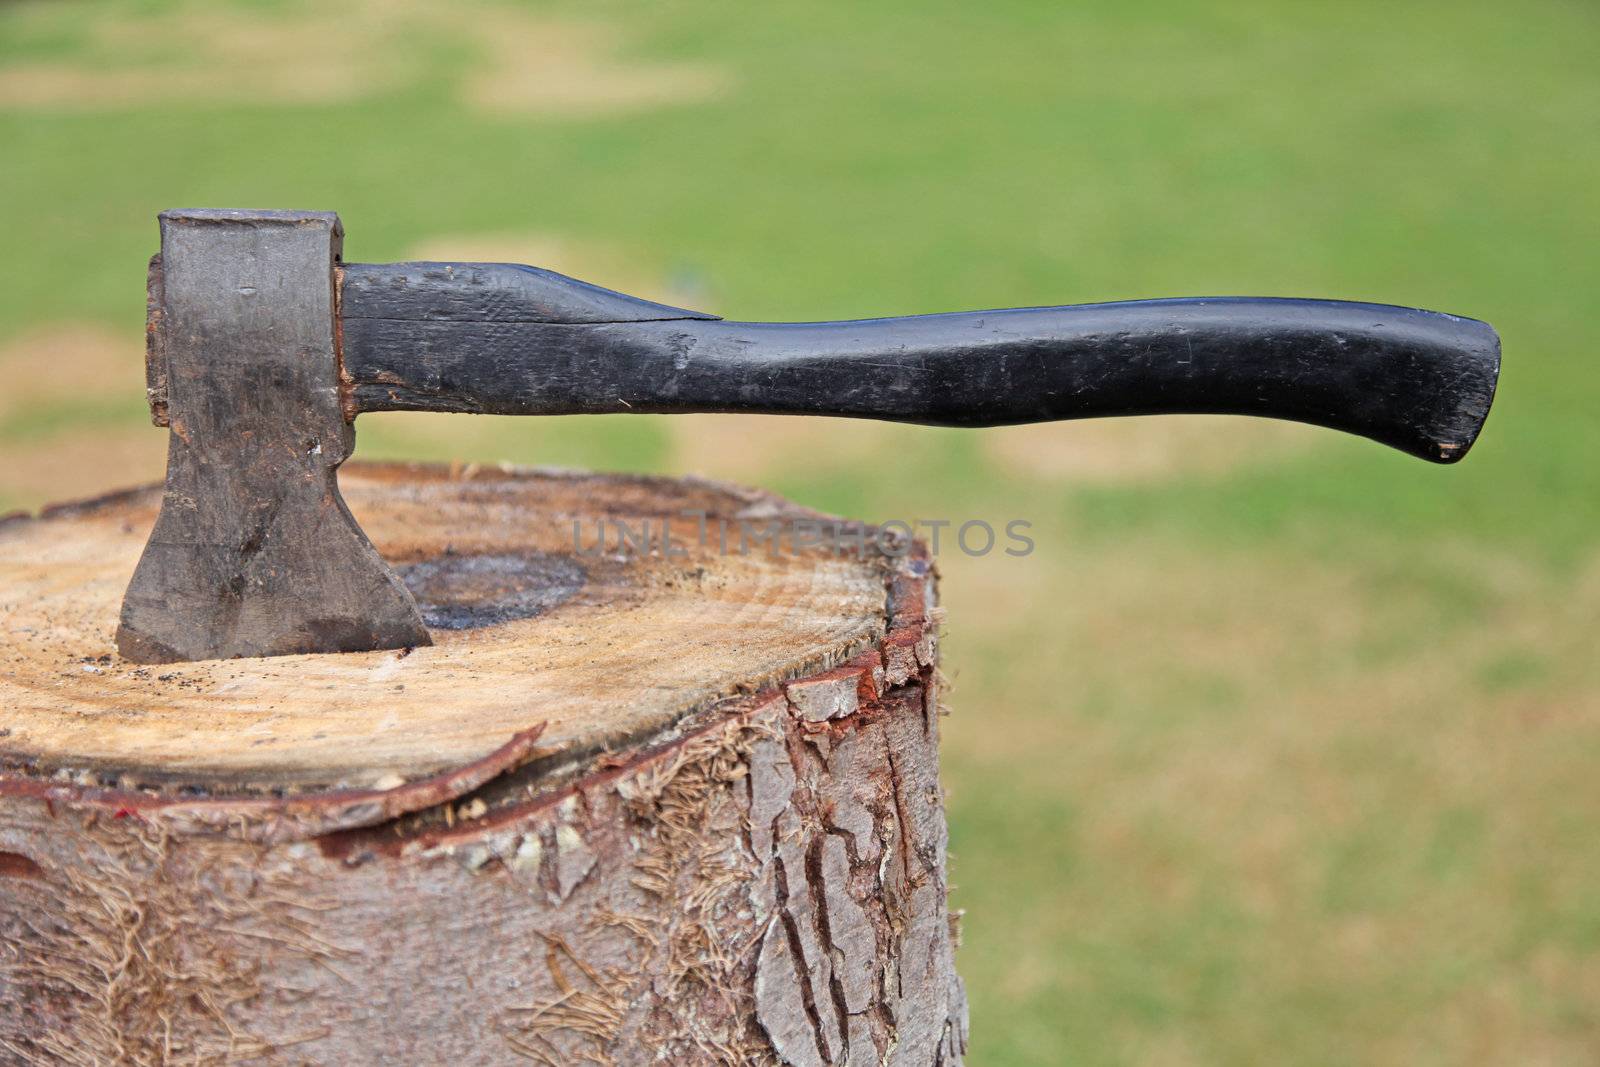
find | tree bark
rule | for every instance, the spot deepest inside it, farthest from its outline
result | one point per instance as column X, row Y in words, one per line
column 674, row 805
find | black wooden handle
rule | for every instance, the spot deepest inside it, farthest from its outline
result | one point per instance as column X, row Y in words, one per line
column 1419, row 381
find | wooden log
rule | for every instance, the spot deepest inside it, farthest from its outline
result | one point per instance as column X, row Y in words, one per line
column 677, row 805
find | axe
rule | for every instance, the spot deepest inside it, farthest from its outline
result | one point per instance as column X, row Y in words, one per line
column 264, row 346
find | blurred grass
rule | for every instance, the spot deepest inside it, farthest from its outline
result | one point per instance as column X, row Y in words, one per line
column 1287, row 761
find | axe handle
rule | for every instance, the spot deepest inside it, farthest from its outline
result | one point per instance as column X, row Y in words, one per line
column 1419, row 381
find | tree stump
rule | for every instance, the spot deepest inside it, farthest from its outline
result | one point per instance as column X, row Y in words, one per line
column 677, row 804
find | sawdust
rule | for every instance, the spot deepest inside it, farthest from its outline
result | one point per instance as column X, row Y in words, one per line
column 1145, row 450
column 308, row 54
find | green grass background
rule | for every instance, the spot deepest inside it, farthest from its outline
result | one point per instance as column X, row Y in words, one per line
column 1296, row 761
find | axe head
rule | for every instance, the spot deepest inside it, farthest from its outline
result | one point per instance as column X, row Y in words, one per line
column 254, row 552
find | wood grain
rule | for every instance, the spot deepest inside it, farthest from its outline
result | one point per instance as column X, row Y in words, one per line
column 683, row 809
column 642, row 642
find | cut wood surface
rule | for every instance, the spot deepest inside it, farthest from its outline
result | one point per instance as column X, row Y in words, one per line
column 613, row 649
column 631, row 807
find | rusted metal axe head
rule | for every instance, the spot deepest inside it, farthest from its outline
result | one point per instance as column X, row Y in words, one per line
column 254, row 552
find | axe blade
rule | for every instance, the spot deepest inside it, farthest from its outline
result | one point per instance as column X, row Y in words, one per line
column 254, row 552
